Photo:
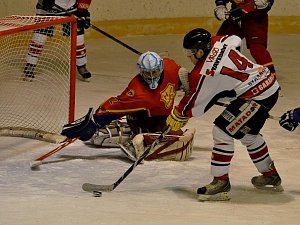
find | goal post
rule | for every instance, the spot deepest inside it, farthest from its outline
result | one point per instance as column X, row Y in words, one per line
column 37, row 75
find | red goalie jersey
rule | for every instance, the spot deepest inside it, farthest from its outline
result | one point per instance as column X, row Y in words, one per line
column 137, row 97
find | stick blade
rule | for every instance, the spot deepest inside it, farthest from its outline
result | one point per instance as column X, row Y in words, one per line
column 274, row 117
column 34, row 165
column 95, row 187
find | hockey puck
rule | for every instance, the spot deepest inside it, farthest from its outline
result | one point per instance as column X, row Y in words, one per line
column 97, row 193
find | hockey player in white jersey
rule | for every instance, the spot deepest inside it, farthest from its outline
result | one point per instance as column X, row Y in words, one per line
column 79, row 8
column 221, row 73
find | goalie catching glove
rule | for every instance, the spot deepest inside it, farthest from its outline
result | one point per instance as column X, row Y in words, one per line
column 84, row 128
column 175, row 121
column 290, row 120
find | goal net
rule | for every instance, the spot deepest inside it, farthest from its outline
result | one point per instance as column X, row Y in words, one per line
column 37, row 76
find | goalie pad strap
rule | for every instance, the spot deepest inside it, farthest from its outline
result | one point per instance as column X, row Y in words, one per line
column 114, row 134
column 157, row 154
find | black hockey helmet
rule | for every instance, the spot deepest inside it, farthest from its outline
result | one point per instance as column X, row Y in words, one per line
column 196, row 39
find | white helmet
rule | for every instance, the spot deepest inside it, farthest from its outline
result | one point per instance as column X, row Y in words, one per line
column 150, row 65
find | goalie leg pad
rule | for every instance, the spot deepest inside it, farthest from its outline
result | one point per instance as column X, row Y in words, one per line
column 242, row 117
column 105, row 140
column 172, row 147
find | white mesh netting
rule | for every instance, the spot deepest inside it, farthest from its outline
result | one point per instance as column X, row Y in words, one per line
column 35, row 65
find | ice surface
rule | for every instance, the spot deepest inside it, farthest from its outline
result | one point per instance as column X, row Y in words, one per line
column 155, row 193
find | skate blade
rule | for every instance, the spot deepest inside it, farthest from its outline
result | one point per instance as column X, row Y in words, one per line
column 85, row 79
column 278, row 188
column 223, row 196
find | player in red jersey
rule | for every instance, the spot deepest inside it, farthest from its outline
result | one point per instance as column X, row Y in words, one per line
column 250, row 90
column 146, row 102
column 247, row 19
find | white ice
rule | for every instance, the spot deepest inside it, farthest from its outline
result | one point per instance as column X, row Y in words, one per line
column 155, row 193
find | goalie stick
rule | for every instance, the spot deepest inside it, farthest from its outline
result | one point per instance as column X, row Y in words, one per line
column 110, row 187
column 39, row 161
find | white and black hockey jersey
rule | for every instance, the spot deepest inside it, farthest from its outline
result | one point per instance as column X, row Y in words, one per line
column 69, row 5
column 225, row 72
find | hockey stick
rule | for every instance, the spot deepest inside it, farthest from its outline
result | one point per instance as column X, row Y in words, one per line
column 39, row 161
column 110, row 187
column 165, row 53
column 274, row 117
column 115, row 39
column 240, row 7
column 102, row 32
column 236, row 9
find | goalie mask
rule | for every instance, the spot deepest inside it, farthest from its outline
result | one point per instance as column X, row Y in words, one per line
column 150, row 66
column 195, row 40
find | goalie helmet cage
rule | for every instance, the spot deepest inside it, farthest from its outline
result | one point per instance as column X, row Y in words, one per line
column 37, row 108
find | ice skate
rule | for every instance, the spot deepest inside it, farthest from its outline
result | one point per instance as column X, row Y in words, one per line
column 217, row 190
column 29, row 72
column 268, row 182
column 85, row 74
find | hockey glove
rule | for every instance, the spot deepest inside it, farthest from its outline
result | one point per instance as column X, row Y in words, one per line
column 175, row 121
column 84, row 128
column 221, row 12
column 47, row 4
column 83, row 19
column 261, row 4
column 290, row 120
